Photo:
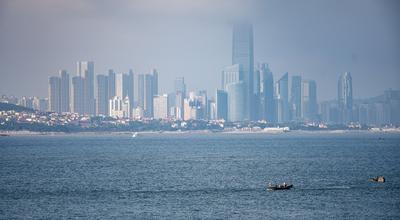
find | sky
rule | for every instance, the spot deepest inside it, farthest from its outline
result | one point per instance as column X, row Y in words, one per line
column 318, row 39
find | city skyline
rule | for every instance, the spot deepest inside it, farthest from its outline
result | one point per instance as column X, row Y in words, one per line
column 318, row 57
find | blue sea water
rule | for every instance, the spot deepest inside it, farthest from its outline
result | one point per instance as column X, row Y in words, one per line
column 199, row 176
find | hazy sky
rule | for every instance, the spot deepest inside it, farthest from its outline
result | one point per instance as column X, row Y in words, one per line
column 318, row 39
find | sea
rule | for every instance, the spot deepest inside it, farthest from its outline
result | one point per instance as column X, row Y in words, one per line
column 200, row 176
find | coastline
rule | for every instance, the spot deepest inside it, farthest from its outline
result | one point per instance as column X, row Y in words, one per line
column 194, row 132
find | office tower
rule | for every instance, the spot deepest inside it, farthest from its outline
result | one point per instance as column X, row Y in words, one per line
column 78, row 95
column 154, row 72
column 128, row 86
column 267, row 103
column 85, row 69
column 65, row 105
column 236, row 101
column 119, row 107
column 140, row 90
column 231, row 74
column 180, row 86
column 119, row 85
column 221, row 105
column 257, row 111
column 295, row 99
column 148, row 95
column 242, row 53
column 309, row 104
column 345, row 97
column 202, row 97
column 55, row 94
column 282, row 99
column 145, row 93
column 102, row 95
column 161, row 106
column 111, row 84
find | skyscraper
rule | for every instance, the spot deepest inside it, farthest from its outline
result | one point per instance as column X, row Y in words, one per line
column 180, row 86
column 242, row 53
column 154, row 72
column 267, row 103
column 64, row 93
column 85, row 69
column 295, row 98
column 77, row 95
column 204, row 103
column 111, row 84
column 221, row 104
column 282, row 97
column 345, row 97
column 145, row 93
column 148, row 95
column 236, row 101
column 128, row 86
column 119, row 85
column 102, row 95
column 309, row 104
column 55, row 94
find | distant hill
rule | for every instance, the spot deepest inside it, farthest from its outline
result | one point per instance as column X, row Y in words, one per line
column 17, row 108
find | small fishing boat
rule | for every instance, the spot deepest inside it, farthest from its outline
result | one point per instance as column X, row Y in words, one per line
column 283, row 186
column 378, row 179
column 134, row 134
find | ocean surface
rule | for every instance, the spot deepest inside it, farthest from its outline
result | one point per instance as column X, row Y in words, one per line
column 200, row 176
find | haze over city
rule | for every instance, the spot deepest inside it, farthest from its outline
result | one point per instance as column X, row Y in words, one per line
column 317, row 39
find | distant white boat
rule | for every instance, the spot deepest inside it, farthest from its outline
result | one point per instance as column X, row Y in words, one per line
column 135, row 134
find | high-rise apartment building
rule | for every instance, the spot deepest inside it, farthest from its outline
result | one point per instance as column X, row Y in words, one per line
column 161, row 106
column 77, row 95
column 64, row 93
column 55, row 94
column 85, row 69
column 111, row 84
column 102, row 100
column 119, row 107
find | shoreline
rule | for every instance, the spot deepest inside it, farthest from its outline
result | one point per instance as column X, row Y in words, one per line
column 259, row 132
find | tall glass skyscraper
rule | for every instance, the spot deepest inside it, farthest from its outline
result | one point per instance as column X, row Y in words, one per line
column 64, row 93
column 345, row 97
column 282, row 98
column 55, row 94
column 267, row 103
column 77, row 95
column 221, row 99
column 102, row 95
column 295, row 98
column 85, row 69
column 236, row 101
column 309, row 104
column 242, row 53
